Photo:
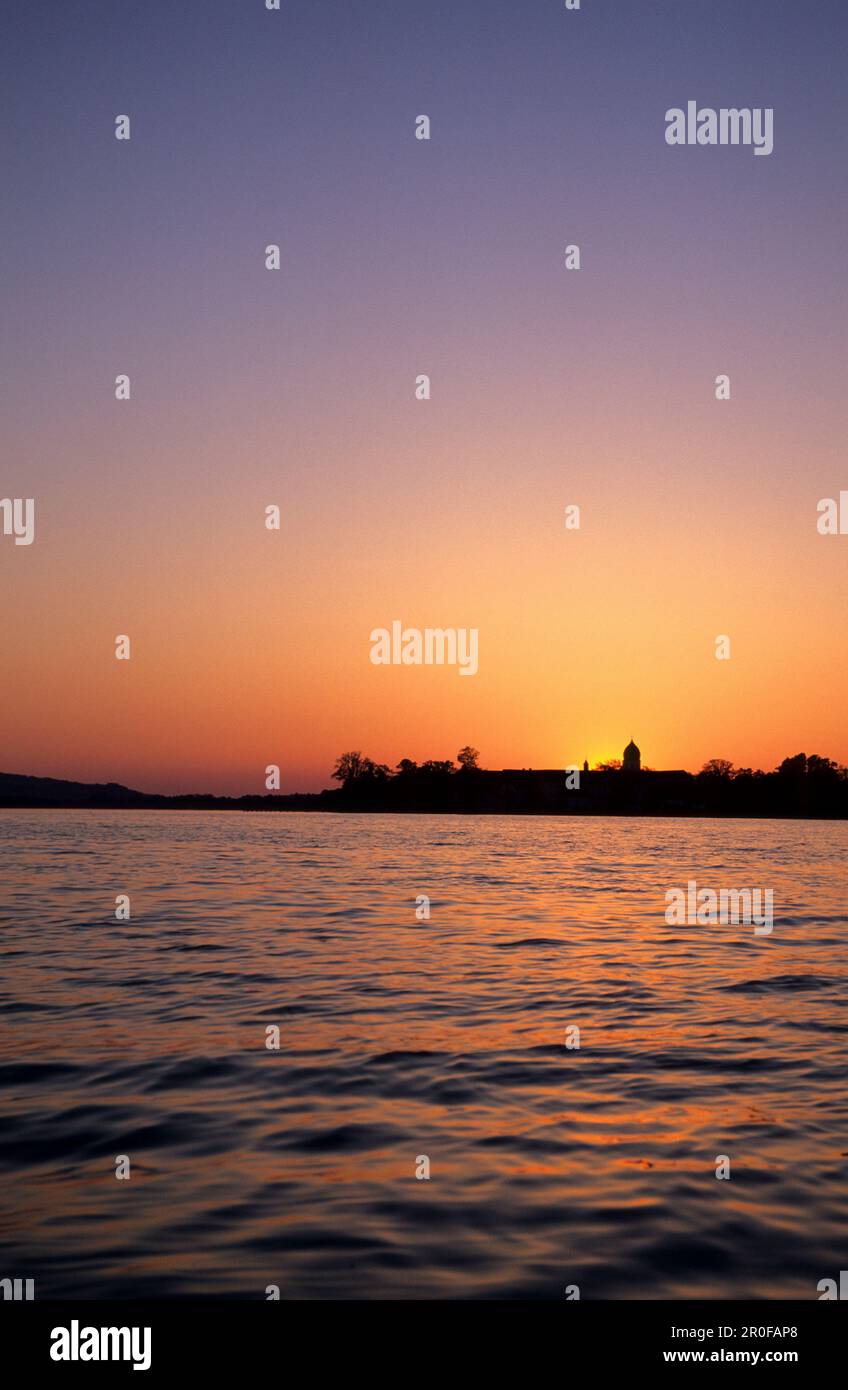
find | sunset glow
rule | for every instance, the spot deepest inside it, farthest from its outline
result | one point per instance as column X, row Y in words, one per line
column 296, row 388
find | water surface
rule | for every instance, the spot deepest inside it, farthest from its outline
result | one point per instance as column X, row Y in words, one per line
column 550, row 1166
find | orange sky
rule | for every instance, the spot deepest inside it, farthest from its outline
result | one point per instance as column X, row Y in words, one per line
column 252, row 647
column 296, row 387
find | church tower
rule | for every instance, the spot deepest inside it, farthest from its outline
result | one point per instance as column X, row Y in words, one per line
column 632, row 761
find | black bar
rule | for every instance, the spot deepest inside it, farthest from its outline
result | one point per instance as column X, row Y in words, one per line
column 409, row 1342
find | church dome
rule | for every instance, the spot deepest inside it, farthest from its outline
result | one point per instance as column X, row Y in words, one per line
column 632, row 758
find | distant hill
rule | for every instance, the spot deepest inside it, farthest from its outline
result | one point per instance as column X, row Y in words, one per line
column 43, row 792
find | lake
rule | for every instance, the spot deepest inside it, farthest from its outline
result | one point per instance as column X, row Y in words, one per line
column 402, row 1039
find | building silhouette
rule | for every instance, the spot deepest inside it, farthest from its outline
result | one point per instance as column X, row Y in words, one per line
column 632, row 760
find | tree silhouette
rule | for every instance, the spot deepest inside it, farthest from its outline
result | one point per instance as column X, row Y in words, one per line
column 468, row 758
column 717, row 767
column 352, row 767
column 438, row 766
column 821, row 767
column 347, row 768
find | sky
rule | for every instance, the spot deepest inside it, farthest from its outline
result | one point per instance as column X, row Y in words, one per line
column 296, row 387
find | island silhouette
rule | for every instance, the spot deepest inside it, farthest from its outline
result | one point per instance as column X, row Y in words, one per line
column 800, row 787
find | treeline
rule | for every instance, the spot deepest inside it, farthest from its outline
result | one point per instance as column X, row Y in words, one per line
column 802, row 786
column 435, row 785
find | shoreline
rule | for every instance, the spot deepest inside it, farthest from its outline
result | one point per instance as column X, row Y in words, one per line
column 458, row 815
